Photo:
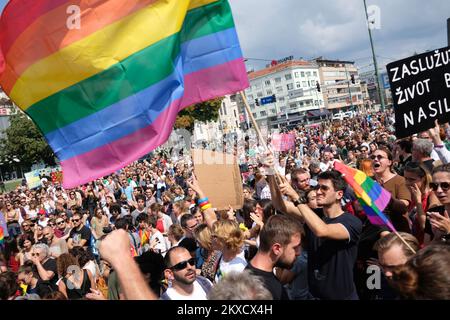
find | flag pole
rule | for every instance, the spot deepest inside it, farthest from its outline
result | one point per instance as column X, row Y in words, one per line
column 258, row 131
column 254, row 123
column 404, row 241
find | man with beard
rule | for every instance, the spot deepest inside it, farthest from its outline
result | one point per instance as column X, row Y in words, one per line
column 279, row 247
column 181, row 274
column 331, row 233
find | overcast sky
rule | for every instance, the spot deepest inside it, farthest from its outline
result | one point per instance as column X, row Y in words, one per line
column 336, row 29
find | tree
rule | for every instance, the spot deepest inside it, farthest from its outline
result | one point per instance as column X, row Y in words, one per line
column 203, row 112
column 24, row 141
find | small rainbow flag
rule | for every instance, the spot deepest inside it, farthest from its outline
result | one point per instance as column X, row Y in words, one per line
column 372, row 197
column 2, row 236
column 105, row 80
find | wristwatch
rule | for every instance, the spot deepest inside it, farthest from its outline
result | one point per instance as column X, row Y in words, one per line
column 299, row 201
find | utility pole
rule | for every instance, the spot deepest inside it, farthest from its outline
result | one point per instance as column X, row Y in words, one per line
column 448, row 31
column 374, row 59
column 348, row 85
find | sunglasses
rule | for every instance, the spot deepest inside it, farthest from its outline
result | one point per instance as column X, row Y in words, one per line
column 52, row 224
column 445, row 186
column 322, row 187
column 182, row 265
column 75, row 220
column 59, row 222
column 35, row 254
column 379, row 157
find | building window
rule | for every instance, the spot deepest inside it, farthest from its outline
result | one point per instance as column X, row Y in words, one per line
column 281, row 99
column 259, row 94
column 303, row 74
column 233, row 98
column 237, row 124
column 254, row 114
column 298, row 85
column 308, row 73
column 274, row 111
column 278, row 80
column 290, row 86
column 315, row 73
column 293, row 105
column 257, row 85
column 269, row 92
column 288, row 76
column 279, row 89
column 283, row 109
column 224, row 109
column 220, row 110
column 235, row 115
column 267, row 83
column 304, row 84
column 296, row 74
column 263, row 113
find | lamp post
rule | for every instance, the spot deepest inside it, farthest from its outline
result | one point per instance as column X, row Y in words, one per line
column 374, row 59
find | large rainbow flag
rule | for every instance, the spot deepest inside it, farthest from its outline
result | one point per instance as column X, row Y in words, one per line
column 372, row 197
column 105, row 79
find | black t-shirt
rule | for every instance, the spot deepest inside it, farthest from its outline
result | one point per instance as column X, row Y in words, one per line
column 271, row 283
column 77, row 236
column 49, row 265
column 331, row 262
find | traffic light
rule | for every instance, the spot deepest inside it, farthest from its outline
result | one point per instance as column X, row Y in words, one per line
column 257, row 102
column 318, row 87
column 353, row 79
column 274, row 97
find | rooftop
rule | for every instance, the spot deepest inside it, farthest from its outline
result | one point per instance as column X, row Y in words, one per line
column 280, row 67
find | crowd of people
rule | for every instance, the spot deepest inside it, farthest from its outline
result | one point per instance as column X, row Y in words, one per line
column 149, row 231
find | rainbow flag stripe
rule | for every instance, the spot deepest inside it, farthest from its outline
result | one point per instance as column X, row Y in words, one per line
column 105, row 80
column 372, row 197
column 2, row 236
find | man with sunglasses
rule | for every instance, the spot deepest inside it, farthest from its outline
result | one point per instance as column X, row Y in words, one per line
column 184, row 284
column 80, row 235
column 61, row 231
column 332, row 239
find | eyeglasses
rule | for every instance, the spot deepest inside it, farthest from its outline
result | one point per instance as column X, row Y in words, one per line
column 183, row 265
column 52, row 224
column 75, row 220
column 59, row 222
column 445, row 186
column 25, row 225
column 35, row 254
column 379, row 157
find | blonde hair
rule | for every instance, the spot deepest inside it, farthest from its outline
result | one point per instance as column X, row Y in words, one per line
column 203, row 235
column 229, row 234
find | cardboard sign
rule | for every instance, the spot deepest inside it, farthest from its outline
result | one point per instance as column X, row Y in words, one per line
column 33, row 179
column 421, row 91
column 283, row 141
column 219, row 177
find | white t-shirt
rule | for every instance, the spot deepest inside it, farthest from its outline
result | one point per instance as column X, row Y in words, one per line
column 197, row 294
column 238, row 264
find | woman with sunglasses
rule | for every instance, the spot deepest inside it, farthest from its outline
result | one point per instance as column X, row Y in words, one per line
column 397, row 210
column 439, row 216
column 423, row 199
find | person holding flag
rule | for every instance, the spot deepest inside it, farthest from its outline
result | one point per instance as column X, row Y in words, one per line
column 332, row 234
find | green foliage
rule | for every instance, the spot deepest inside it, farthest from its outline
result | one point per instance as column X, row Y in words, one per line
column 203, row 112
column 24, row 141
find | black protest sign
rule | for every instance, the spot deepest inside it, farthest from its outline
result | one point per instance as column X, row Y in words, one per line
column 421, row 91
